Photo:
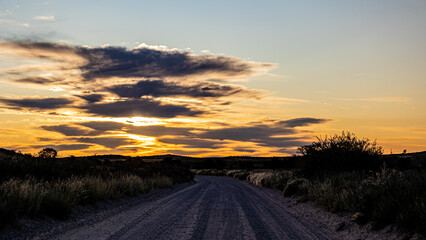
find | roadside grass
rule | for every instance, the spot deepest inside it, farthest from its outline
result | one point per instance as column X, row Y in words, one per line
column 271, row 179
column 34, row 198
column 35, row 187
column 389, row 196
column 386, row 197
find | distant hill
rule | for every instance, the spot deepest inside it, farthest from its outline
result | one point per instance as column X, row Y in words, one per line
column 415, row 154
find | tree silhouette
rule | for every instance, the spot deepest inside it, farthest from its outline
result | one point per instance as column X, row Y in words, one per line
column 48, row 153
column 343, row 152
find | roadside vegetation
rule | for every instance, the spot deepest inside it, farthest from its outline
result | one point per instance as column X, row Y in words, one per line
column 343, row 173
column 42, row 185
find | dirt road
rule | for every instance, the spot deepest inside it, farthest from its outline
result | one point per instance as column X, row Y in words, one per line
column 210, row 208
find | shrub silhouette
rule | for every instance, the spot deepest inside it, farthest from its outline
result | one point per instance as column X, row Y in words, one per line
column 47, row 153
column 343, row 152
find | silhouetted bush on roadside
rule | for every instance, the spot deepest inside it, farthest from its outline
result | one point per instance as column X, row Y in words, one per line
column 343, row 152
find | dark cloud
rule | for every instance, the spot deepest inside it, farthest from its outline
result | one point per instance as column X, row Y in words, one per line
column 64, row 147
column 37, row 103
column 68, row 130
column 37, row 80
column 44, row 139
column 139, row 107
column 152, row 130
column 192, row 142
column 160, row 88
column 109, row 142
column 271, row 134
column 297, row 122
column 104, row 126
column 82, row 69
column 148, row 62
column 40, row 49
column 161, row 131
column 251, row 133
column 281, row 142
column 243, row 149
column 141, row 62
column 264, row 135
column 92, row 98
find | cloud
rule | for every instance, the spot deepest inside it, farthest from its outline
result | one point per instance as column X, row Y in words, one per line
column 92, row 98
column 151, row 130
column 281, row 142
column 104, row 126
column 152, row 82
column 14, row 22
column 160, row 88
column 42, row 50
column 37, row 103
column 109, row 142
column 121, row 108
column 45, row 18
column 192, row 142
column 37, row 80
column 273, row 133
column 64, row 147
column 263, row 135
column 139, row 107
column 243, row 149
column 141, row 62
column 298, row 122
column 117, row 82
column 146, row 62
column 250, row 133
column 68, row 130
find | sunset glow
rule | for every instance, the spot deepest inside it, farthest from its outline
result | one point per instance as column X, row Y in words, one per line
column 261, row 79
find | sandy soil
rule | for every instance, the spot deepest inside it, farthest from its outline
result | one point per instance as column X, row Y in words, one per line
column 209, row 208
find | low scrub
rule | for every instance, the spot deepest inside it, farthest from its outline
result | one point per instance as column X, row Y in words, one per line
column 271, row 179
column 57, row 199
column 387, row 197
column 238, row 174
column 45, row 186
column 296, row 187
column 211, row 172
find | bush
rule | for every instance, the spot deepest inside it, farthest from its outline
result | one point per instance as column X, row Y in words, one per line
column 343, row 152
column 241, row 175
column 211, row 172
column 47, row 153
column 386, row 197
column 296, row 187
column 274, row 180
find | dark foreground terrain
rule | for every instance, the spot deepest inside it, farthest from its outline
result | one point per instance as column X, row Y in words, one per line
column 209, row 208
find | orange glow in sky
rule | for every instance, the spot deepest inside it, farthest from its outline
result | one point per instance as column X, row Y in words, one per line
column 79, row 81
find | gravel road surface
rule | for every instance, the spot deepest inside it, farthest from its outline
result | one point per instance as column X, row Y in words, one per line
column 209, row 208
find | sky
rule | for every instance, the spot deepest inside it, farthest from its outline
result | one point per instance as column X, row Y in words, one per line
column 210, row 78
